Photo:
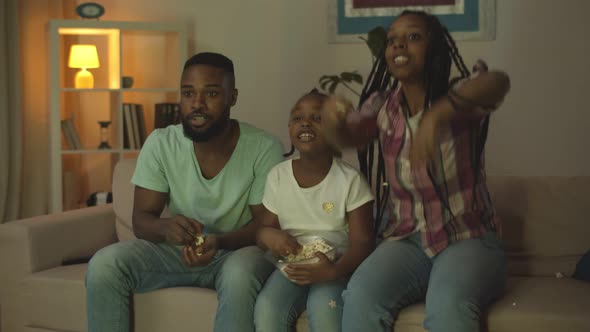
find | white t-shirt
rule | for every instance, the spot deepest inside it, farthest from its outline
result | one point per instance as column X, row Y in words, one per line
column 321, row 209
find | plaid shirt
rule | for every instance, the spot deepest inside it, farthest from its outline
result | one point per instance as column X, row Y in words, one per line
column 414, row 204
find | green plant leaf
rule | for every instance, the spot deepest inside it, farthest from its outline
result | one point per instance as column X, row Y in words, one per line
column 333, row 86
column 328, row 79
column 352, row 77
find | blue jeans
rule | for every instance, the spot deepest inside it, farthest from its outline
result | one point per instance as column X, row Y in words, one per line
column 457, row 284
column 281, row 302
column 139, row 266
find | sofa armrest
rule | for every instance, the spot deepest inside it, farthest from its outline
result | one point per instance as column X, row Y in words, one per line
column 40, row 243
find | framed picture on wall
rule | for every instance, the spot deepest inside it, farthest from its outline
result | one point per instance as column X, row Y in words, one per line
column 466, row 19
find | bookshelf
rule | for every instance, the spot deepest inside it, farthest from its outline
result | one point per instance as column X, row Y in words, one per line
column 152, row 54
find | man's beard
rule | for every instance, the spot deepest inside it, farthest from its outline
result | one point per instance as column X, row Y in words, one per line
column 216, row 128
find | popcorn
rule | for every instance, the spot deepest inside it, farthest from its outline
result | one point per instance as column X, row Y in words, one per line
column 199, row 240
column 308, row 251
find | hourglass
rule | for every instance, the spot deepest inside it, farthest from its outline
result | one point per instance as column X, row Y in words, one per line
column 104, row 134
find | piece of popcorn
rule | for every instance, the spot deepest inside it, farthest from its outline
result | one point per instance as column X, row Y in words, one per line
column 199, row 240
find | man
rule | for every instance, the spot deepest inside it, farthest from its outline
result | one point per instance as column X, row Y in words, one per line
column 210, row 171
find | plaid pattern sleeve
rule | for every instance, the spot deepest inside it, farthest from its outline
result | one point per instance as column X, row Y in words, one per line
column 442, row 202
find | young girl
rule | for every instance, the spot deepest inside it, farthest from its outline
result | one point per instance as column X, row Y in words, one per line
column 441, row 239
column 317, row 194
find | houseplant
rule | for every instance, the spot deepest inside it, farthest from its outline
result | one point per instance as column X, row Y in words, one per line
column 376, row 40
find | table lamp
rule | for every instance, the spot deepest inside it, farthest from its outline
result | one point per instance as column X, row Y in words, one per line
column 83, row 57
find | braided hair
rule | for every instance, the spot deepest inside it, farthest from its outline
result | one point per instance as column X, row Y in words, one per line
column 441, row 53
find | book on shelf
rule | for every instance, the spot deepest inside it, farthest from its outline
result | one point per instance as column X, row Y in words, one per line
column 141, row 124
column 70, row 134
column 128, row 136
column 166, row 114
column 134, row 127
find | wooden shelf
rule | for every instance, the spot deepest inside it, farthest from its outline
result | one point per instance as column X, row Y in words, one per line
column 89, row 90
column 121, row 47
column 151, row 90
column 122, row 90
column 97, row 151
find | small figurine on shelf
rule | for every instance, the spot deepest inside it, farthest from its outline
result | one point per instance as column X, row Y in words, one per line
column 127, row 82
column 104, row 134
column 90, row 10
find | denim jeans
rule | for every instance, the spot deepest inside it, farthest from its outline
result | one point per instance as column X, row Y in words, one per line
column 281, row 302
column 457, row 284
column 138, row 266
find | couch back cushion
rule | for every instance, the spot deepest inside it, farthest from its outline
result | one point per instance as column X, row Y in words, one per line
column 545, row 221
column 123, row 198
column 123, row 191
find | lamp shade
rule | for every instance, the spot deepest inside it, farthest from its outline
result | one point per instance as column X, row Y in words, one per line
column 83, row 56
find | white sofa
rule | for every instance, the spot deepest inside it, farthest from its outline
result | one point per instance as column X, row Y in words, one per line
column 546, row 230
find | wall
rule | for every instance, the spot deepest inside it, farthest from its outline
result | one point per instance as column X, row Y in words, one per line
column 279, row 49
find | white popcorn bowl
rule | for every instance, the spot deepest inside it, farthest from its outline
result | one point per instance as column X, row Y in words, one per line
column 304, row 239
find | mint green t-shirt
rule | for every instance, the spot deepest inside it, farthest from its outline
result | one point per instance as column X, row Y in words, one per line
column 167, row 163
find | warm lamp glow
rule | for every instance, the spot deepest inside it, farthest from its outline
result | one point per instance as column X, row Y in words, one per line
column 83, row 57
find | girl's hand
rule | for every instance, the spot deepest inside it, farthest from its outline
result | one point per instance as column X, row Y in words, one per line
column 280, row 242
column 305, row 274
column 344, row 127
column 334, row 113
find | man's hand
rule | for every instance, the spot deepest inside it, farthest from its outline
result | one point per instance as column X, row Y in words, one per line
column 179, row 228
column 305, row 274
column 279, row 242
column 202, row 255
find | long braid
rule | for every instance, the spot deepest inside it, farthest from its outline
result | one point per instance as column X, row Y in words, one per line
column 379, row 79
column 457, row 58
column 436, row 78
column 478, row 136
column 290, row 153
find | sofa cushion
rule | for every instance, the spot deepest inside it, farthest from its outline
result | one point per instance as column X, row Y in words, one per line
column 540, row 304
column 545, row 219
column 55, row 299
column 545, row 222
column 123, row 191
column 187, row 309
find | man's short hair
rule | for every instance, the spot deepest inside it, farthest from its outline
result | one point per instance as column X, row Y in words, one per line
column 211, row 59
